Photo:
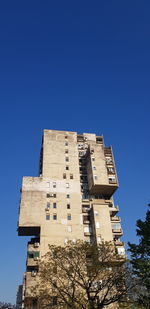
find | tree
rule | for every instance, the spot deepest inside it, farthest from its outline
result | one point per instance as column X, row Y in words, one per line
column 81, row 275
column 4, row 305
column 140, row 259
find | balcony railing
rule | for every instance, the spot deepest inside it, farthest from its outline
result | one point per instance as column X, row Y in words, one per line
column 85, row 210
column 118, row 243
column 107, row 150
column 111, row 172
column 113, row 209
column 112, row 181
column 109, row 162
column 115, row 218
column 87, row 233
column 86, row 221
column 32, row 262
column 117, row 231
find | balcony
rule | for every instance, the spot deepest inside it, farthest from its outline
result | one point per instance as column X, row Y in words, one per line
column 28, row 230
column 112, row 181
column 80, row 138
column 34, row 246
column 113, row 210
column 109, row 161
column 86, row 219
column 107, row 186
column 32, row 262
column 115, row 218
column 99, row 140
column 117, row 232
column 87, row 233
column 31, row 280
column 108, row 151
column 85, row 209
column 119, row 243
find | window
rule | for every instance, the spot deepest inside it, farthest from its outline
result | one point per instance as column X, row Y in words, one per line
column 116, row 226
column 54, row 184
column 30, row 255
column 86, row 218
column 68, row 206
column 99, row 140
column 99, row 239
column 55, row 269
column 67, row 159
column 67, row 168
column 110, row 170
column 92, row 150
column 93, row 159
column 33, row 273
column 86, row 229
column 69, row 227
column 85, row 196
column 112, row 179
column 67, row 195
column 54, row 216
column 66, row 136
column 94, row 167
column 48, row 205
column 95, row 177
column 48, row 184
column 51, row 195
column 54, row 205
column 83, row 178
column 71, row 176
column 121, row 251
column 85, row 186
column 69, row 217
column 82, row 161
column 67, row 185
column 36, row 254
column 81, row 153
column 54, row 300
column 85, row 208
column 82, row 169
column 97, row 225
column 47, row 217
column 33, row 254
column 109, row 160
column 66, row 151
column 96, row 213
column 64, row 176
column 66, row 143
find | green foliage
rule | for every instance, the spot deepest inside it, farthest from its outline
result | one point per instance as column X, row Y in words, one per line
column 140, row 259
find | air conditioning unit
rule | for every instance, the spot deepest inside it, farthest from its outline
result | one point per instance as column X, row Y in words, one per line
column 47, row 208
column 36, row 244
column 36, row 258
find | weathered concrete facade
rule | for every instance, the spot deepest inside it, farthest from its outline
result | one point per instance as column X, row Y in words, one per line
column 71, row 199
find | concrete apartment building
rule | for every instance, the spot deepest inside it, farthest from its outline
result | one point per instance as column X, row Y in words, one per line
column 71, row 199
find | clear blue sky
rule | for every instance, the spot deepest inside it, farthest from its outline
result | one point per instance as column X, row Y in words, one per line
column 72, row 65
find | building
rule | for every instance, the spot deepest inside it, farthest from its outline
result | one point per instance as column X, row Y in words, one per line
column 19, row 297
column 71, row 199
